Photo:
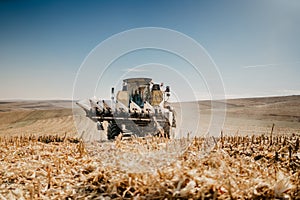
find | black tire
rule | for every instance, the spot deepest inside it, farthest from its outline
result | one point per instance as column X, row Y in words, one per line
column 113, row 131
column 174, row 121
column 167, row 130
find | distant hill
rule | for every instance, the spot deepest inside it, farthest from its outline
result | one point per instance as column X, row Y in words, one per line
column 246, row 116
column 285, row 108
column 281, row 107
column 6, row 106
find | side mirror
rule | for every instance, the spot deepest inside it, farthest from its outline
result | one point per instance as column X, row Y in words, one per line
column 167, row 89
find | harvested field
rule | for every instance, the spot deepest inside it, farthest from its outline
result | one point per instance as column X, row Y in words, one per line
column 36, row 117
column 42, row 158
column 53, row 167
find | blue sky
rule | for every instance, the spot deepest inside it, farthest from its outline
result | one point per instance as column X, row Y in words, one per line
column 255, row 44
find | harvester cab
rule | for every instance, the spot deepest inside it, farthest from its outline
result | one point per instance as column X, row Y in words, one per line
column 140, row 109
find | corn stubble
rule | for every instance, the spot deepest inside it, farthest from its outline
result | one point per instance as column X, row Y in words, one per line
column 237, row 167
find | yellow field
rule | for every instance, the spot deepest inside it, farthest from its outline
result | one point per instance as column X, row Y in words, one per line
column 155, row 168
column 41, row 157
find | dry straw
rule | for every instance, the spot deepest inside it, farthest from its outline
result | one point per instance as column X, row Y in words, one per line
column 238, row 167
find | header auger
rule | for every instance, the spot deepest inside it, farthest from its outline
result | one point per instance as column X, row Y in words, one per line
column 140, row 109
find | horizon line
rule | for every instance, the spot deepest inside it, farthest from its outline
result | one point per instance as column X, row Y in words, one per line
column 72, row 100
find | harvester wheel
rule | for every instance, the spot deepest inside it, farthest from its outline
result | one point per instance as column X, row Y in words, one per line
column 167, row 130
column 113, row 130
column 174, row 121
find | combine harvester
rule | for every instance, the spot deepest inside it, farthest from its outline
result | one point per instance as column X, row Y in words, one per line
column 140, row 109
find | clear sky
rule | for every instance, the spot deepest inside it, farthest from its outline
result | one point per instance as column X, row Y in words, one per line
column 255, row 44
